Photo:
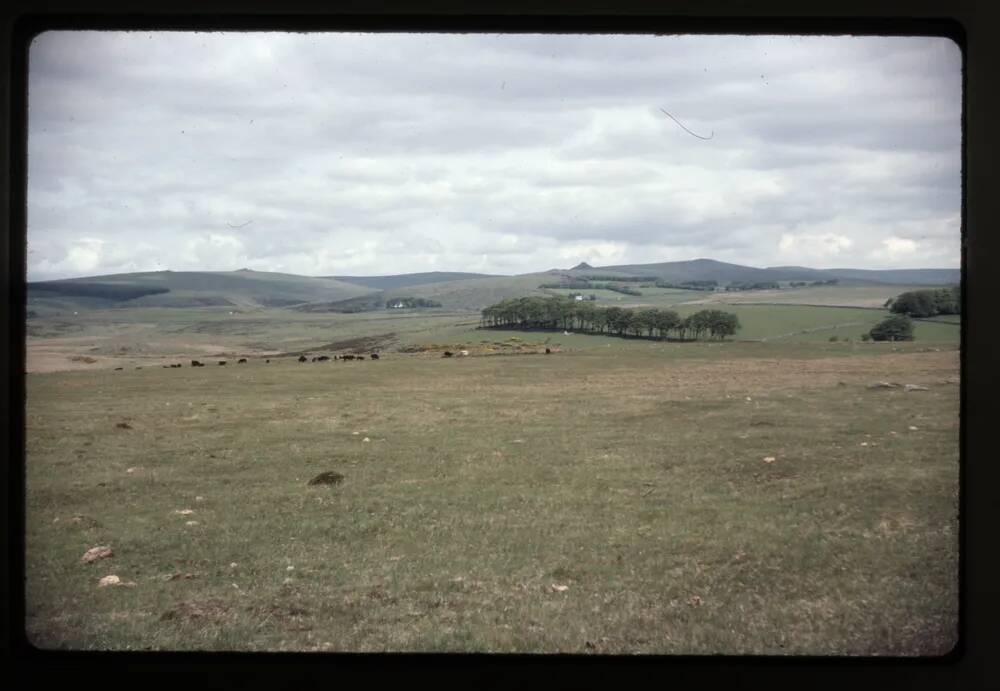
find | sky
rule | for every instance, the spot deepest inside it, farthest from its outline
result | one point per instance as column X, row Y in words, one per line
column 371, row 154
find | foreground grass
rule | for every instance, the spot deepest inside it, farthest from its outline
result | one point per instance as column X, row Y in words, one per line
column 582, row 502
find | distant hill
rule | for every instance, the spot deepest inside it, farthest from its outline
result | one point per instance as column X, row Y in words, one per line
column 454, row 290
column 712, row 270
column 190, row 289
column 406, row 280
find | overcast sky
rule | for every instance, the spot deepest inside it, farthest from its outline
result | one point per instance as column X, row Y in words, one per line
column 362, row 154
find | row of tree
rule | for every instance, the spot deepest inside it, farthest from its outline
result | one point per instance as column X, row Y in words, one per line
column 649, row 322
column 927, row 303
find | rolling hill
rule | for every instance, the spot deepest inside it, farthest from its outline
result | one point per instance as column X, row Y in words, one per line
column 243, row 288
column 407, row 280
column 454, row 290
column 712, row 270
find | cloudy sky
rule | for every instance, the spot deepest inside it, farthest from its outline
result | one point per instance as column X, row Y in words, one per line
column 364, row 154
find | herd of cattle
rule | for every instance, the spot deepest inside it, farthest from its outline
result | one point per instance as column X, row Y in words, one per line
column 320, row 358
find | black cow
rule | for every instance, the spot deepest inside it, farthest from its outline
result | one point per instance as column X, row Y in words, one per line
column 322, row 358
column 448, row 353
column 241, row 361
column 361, row 357
column 267, row 362
column 222, row 362
column 195, row 363
column 118, row 368
column 302, row 358
column 346, row 357
column 374, row 356
column 177, row 365
column 548, row 351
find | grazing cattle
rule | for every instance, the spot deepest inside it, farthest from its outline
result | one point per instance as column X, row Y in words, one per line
column 222, row 362
column 374, row 356
column 447, row 353
column 241, row 361
column 177, row 365
column 267, row 362
column 302, row 358
column 548, row 351
column 361, row 357
column 195, row 363
column 118, row 368
column 322, row 358
column 346, row 357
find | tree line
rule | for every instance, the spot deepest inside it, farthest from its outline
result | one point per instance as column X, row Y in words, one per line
column 646, row 322
column 927, row 303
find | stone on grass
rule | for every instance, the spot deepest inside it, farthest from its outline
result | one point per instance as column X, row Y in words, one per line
column 109, row 580
column 883, row 385
column 95, row 553
column 184, row 512
column 769, row 459
column 915, row 387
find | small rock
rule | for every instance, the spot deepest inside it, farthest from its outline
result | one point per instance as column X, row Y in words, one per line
column 883, row 385
column 233, row 565
column 290, row 568
column 199, row 498
column 131, row 470
column 769, row 459
column 109, row 580
column 95, row 553
column 287, row 581
column 864, row 443
column 749, row 399
column 184, row 512
column 355, row 433
column 191, row 523
column 912, row 428
column 366, row 439
column 695, row 601
column 560, row 588
column 915, row 387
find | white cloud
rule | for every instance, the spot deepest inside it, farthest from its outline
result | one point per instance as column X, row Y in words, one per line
column 804, row 247
column 381, row 153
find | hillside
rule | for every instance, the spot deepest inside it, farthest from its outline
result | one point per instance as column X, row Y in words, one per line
column 189, row 289
column 454, row 290
column 712, row 270
column 407, row 280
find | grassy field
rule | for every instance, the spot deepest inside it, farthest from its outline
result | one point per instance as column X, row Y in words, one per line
column 617, row 498
column 104, row 339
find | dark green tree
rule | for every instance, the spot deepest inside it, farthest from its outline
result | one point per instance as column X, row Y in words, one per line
column 898, row 327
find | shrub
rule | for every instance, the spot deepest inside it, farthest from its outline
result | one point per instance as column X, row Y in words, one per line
column 898, row 327
column 833, row 338
column 866, row 337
